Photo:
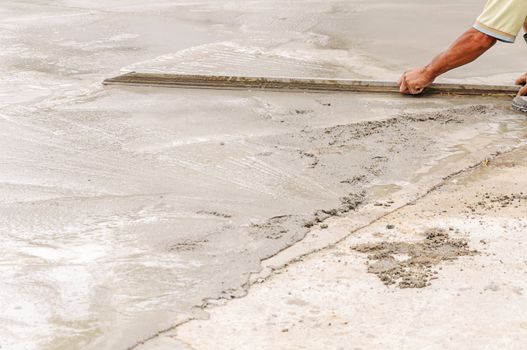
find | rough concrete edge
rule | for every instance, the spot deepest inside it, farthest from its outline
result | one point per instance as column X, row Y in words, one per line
column 209, row 303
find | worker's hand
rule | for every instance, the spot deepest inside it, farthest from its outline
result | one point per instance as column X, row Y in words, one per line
column 522, row 80
column 414, row 81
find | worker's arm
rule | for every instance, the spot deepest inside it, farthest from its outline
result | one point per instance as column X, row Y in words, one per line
column 466, row 49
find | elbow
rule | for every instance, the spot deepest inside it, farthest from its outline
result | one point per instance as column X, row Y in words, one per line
column 483, row 40
column 488, row 41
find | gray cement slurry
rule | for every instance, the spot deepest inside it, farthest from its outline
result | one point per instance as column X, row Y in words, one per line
column 121, row 210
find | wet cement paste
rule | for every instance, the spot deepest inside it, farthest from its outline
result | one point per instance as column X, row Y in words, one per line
column 413, row 265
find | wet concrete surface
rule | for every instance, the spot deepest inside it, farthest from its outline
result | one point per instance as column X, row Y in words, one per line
column 123, row 209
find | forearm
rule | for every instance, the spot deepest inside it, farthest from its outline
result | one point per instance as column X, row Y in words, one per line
column 471, row 45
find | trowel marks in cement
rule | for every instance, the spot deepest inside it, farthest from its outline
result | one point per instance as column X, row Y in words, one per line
column 410, row 265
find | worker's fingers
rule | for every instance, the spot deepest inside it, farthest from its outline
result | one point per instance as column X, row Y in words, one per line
column 523, row 91
column 416, row 90
column 403, row 87
column 400, row 82
column 521, row 80
column 406, row 87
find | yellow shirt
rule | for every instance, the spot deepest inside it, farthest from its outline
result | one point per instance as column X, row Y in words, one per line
column 502, row 19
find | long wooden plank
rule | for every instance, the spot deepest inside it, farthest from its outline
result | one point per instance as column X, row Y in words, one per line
column 295, row 84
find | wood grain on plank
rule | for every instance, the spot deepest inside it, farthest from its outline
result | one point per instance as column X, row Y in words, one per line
column 296, row 84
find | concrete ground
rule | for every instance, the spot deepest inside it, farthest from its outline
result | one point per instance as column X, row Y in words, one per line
column 328, row 300
column 124, row 211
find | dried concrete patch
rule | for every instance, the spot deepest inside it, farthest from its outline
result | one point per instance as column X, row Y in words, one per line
column 488, row 201
column 411, row 265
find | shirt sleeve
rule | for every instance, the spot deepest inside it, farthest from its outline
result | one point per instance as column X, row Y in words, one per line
column 502, row 19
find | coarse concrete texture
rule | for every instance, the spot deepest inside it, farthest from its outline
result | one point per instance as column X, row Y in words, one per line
column 328, row 300
column 123, row 211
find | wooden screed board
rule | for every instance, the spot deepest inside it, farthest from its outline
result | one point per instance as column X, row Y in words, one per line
column 296, row 84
